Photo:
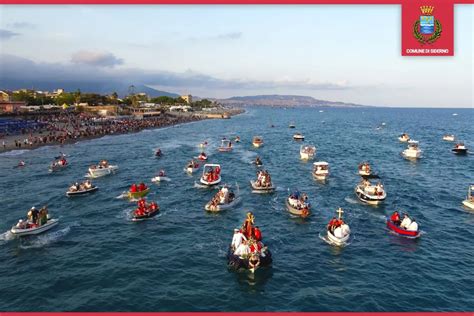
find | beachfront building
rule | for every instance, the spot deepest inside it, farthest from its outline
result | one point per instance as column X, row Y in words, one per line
column 188, row 98
column 11, row 106
column 4, row 96
column 180, row 108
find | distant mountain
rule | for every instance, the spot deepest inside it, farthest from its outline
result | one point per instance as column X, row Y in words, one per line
column 122, row 89
column 276, row 100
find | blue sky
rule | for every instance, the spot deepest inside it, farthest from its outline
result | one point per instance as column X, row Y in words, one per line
column 345, row 53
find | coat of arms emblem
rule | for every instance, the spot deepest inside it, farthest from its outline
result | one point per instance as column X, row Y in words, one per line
column 427, row 30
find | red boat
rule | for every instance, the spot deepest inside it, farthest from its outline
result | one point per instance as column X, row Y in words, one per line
column 401, row 231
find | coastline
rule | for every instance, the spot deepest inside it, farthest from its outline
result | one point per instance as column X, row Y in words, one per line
column 177, row 119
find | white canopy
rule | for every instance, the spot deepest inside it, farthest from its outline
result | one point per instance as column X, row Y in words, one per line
column 320, row 163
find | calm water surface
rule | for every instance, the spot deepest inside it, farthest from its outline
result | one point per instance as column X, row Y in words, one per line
column 98, row 260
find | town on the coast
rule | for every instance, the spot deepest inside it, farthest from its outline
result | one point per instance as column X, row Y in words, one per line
column 31, row 118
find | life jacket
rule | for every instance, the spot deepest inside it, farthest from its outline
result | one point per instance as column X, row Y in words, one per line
column 133, row 188
column 395, row 217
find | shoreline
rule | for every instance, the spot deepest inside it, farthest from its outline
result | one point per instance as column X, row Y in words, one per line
column 178, row 119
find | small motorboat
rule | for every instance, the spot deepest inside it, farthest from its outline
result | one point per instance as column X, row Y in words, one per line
column 191, row 167
column 459, row 149
column 469, row 201
column 203, row 145
column 364, row 169
column 160, row 177
column 298, row 137
column 307, row 152
column 158, row 153
column 370, row 192
column 320, row 170
column 61, row 155
column 224, row 199
column 292, row 125
column 448, row 138
column 145, row 211
column 237, row 139
column 413, row 151
column 101, row 169
column 211, row 175
column 263, row 184
column 37, row 222
column 297, row 204
column 226, row 146
column 57, row 165
column 202, row 156
column 81, row 189
column 338, row 232
column 247, row 251
column 404, row 138
column 138, row 191
column 257, row 141
column 21, row 163
column 400, row 227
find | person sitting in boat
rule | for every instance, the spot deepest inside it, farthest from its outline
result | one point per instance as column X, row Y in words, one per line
column 104, row 164
column 257, row 233
column 161, row 173
column 21, row 163
column 243, row 250
column 413, row 226
column 395, row 218
column 153, row 206
column 332, row 224
column 22, row 224
column 142, row 187
column 258, row 161
column 42, row 216
column 87, row 185
column 158, row 152
column 406, row 221
column 133, row 188
column 230, row 196
column 237, row 239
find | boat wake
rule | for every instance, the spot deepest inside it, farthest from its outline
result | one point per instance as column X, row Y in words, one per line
column 5, row 237
column 351, row 200
column 41, row 241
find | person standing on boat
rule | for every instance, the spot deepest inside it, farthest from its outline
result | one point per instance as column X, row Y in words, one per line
column 237, row 239
column 141, row 187
column 243, row 249
column 133, row 188
column 413, row 226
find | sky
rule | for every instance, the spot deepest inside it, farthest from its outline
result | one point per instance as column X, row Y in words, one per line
column 332, row 52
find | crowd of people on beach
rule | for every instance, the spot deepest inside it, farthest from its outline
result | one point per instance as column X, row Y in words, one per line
column 66, row 127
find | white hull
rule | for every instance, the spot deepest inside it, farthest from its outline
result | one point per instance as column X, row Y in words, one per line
column 408, row 153
column 160, row 179
column 261, row 189
column 75, row 193
column 468, row 204
column 403, row 140
column 298, row 137
column 223, row 207
column 338, row 241
column 210, row 183
column 34, row 231
column 448, row 138
column 257, row 145
column 364, row 173
column 369, row 198
column 100, row 172
column 320, row 175
column 190, row 169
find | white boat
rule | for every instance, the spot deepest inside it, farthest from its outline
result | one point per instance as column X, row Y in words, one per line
column 160, row 179
column 449, row 138
column 297, row 204
column 262, row 178
column 320, row 170
column 257, row 141
column 225, row 193
column 404, row 138
column 469, row 201
column 202, row 156
column 413, row 151
column 211, row 174
column 57, row 165
column 100, row 170
column 365, row 169
column 82, row 191
column 307, row 152
column 203, row 145
column 298, row 136
column 226, row 146
column 341, row 234
column 191, row 167
column 369, row 192
column 291, row 125
column 17, row 231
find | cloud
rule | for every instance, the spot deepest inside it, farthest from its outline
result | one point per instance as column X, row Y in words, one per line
column 21, row 25
column 6, row 34
column 101, row 59
column 17, row 72
column 230, row 36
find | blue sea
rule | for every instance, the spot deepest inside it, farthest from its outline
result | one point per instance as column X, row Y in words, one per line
column 96, row 259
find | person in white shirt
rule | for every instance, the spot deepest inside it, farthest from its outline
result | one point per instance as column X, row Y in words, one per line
column 405, row 222
column 237, row 239
column 242, row 250
column 413, row 226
